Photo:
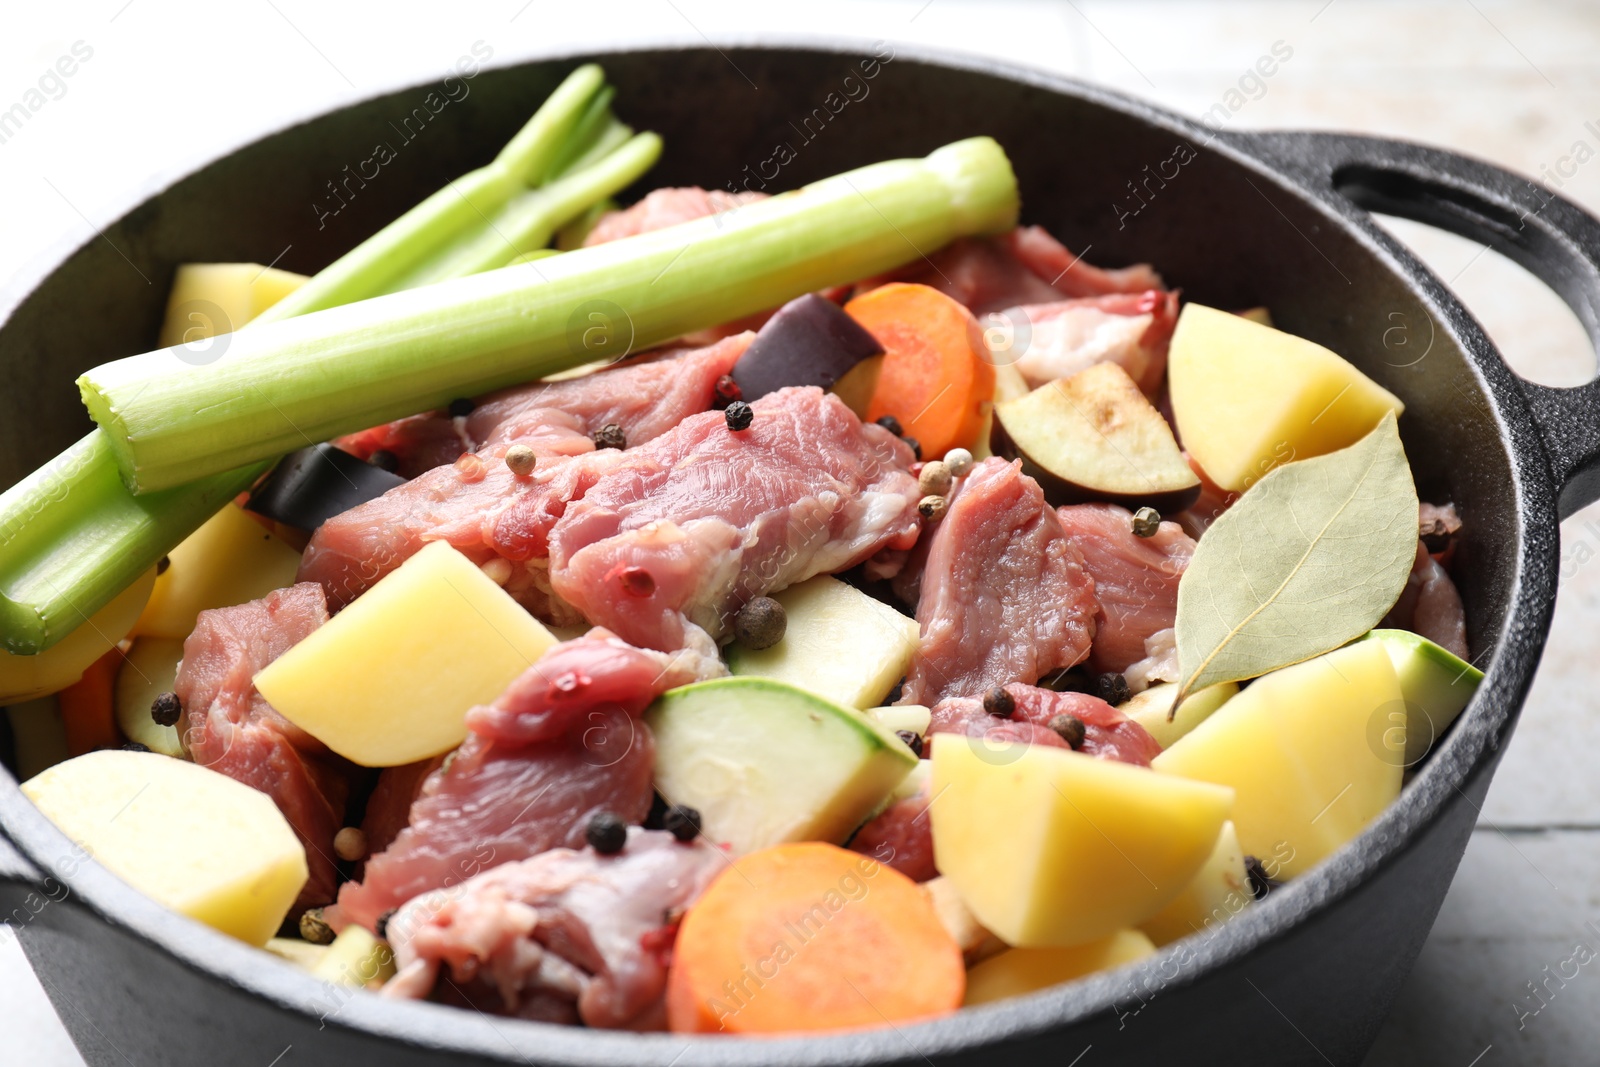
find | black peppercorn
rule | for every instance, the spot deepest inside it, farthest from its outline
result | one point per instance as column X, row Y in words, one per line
column 383, row 459
column 1261, row 883
column 166, row 709
column 381, row 927
column 892, row 424
column 162, row 564
column 913, row 741
column 739, row 415
column 461, row 407
column 999, row 703
column 606, row 833
column 610, row 436
column 1070, row 729
column 915, row 446
column 135, row 746
column 1113, row 689
column 682, row 822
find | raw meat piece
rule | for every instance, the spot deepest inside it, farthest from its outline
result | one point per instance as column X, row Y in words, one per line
column 571, row 680
column 1062, row 338
column 666, row 207
column 1026, row 266
column 1004, row 596
column 1069, row 274
column 230, row 728
column 1108, row 734
column 562, row 743
column 1159, row 663
column 1431, row 606
column 901, row 836
column 492, row 804
column 477, row 505
column 567, row 935
column 1135, row 578
column 646, row 396
column 667, row 545
column 389, row 805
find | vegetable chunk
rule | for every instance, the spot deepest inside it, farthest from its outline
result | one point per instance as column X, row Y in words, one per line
column 839, row 643
column 390, row 678
column 808, row 937
column 1051, row 847
column 1303, row 748
column 1249, row 398
column 193, row 839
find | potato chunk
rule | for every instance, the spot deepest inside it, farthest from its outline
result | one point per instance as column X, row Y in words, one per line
column 213, row 298
column 27, row 677
column 1051, row 847
column 232, row 559
column 389, row 679
column 1248, row 398
column 1024, row 970
column 195, row 840
column 1304, row 750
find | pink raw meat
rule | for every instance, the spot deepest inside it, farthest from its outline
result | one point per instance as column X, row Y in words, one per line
column 901, row 836
column 1026, row 266
column 1068, row 274
column 1004, row 594
column 1431, row 606
column 572, row 680
column 568, row 935
column 230, row 728
column 476, row 504
column 1135, row 578
column 667, row 546
column 1062, row 338
column 645, row 396
column 1108, row 733
column 492, row 804
column 562, row 744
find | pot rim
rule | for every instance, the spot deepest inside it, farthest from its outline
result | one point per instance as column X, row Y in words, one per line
column 1468, row 750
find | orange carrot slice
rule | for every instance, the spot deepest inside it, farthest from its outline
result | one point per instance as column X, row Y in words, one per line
column 86, row 708
column 936, row 377
column 809, row 936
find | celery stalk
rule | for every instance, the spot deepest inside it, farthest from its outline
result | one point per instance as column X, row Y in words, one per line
column 59, row 568
column 336, row 371
column 72, row 536
column 529, row 221
column 380, row 263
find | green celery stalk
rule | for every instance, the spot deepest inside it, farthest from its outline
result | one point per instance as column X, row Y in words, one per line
column 72, row 537
column 378, row 264
column 529, row 221
column 71, row 534
column 336, row 371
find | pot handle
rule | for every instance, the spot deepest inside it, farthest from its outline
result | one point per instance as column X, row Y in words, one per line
column 1556, row 240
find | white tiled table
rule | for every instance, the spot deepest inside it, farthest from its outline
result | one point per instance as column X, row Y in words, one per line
column 172, row 83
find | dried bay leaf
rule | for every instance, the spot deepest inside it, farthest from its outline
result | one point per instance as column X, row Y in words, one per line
column 1310, row 558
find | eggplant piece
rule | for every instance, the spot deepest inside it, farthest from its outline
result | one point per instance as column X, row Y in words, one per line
column 809, row 341
column 1094, row 436
column 311, row 486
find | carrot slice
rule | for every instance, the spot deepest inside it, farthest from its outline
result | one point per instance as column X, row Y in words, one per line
column 936, row 376
column 809, row 936
column 86, row 708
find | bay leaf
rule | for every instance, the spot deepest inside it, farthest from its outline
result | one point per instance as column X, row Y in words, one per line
column 1309, row 558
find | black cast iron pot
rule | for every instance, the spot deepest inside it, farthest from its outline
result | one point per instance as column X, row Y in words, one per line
column 1236, row 220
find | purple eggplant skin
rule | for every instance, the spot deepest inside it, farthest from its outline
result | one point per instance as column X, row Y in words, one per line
column 809, row 341
column 1061, row 490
